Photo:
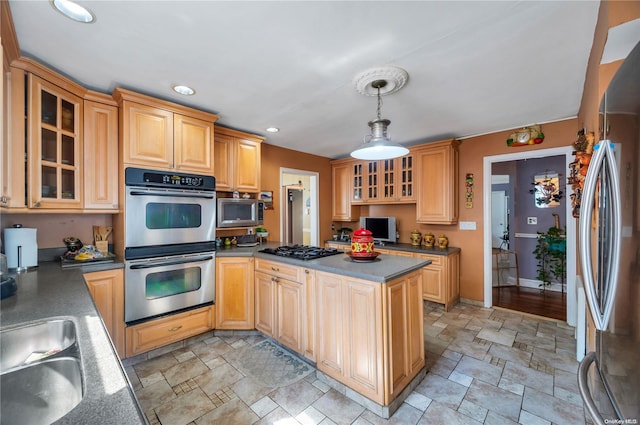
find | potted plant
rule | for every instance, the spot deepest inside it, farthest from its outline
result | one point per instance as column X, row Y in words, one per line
column 551, row 255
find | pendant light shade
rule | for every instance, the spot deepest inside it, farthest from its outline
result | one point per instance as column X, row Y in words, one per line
column 377, row 145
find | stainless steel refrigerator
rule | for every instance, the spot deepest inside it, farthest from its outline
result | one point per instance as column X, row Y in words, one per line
column 609, row 376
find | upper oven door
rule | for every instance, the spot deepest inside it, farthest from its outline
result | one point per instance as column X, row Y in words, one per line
column 157, row 216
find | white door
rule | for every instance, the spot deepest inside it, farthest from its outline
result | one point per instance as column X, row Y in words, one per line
column 498, row 218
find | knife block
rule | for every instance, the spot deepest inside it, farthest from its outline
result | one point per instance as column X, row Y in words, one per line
column 102, row 246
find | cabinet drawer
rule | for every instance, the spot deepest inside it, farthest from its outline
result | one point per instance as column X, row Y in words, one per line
column 275, row 268
column 436, row 260
column 166, row 330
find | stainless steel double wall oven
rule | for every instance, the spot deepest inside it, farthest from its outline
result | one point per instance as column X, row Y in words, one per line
column 169, row 242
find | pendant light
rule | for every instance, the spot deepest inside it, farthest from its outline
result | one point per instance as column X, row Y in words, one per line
column 377, row 145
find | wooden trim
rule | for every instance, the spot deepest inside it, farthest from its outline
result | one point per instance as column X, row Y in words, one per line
column 95, row 96
column 8, row 33
column 50, row 76
column 239, row 134
column 120, row 95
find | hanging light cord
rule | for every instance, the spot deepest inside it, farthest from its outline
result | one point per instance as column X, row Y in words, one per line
column 379, row 102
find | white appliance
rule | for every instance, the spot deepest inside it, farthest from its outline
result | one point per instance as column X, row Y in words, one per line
column 21, row 247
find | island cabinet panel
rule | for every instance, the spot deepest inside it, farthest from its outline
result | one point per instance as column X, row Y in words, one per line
column 289, row 310
column 265, row 303
column 370, row 334
column 330, row 325
column 309, row 338
column 437, row 170
column 363, row 344
column 234, row 293
column 107, row 290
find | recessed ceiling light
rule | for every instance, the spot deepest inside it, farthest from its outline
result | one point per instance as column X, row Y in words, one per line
column 74, row 11
column 273, row 129
column 185, row 90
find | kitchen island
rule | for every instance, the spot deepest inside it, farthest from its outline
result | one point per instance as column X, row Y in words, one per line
column 50, row 292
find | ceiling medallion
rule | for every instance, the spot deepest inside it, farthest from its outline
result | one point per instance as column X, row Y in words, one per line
column 394, row 77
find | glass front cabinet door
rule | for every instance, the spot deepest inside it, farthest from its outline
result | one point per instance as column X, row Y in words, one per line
column 55, row 148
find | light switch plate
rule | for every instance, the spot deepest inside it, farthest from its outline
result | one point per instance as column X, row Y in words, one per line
column 467, row 225
column 532, row 220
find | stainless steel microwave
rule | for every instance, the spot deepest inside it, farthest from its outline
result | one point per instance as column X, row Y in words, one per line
column 239, row 212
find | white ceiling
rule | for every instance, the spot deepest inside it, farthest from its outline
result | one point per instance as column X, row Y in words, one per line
column 474, row 67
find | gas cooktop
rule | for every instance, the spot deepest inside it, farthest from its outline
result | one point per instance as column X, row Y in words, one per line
column 301, row 252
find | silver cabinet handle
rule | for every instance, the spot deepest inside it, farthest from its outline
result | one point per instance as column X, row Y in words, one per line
column 583, row 371
column 602, row 174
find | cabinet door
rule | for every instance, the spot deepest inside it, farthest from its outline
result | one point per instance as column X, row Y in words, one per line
column 193, row 145
column 107, row 290
column 437, row 201
column 234, row 293
column 14, row 150
column 265, row 303
column 289, row 313
column 55, row 149
column 223, row 161
column 330, row 325
column 453, row 280
column 433, row 279
column 100, row 156
column 405, row 178
column 341, row 189
column 148, row 136
column 247, row 169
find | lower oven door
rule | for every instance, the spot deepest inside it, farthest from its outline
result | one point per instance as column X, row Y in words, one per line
column 163, row 285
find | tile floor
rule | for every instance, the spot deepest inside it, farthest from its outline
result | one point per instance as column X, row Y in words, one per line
column 484, row 366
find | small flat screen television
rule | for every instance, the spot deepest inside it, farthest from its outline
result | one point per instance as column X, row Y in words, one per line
column 383, row 229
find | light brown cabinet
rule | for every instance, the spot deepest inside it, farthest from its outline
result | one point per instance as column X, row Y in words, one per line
column 237, row 160
column 441, row 279
column 100, row 154
column 107, row 290
column 235, row 293
column 280, row 303
column 157, row 333
column 341, row 188
column 14, row 149
column 163, row 135
column 55, row 146
column 370, row 335
column 437, row 188
column 383, row 181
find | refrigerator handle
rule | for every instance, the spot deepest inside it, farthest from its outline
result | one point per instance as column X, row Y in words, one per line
column 602, row 152
column 583, row 370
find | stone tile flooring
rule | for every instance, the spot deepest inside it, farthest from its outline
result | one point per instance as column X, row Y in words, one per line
column 484, row 366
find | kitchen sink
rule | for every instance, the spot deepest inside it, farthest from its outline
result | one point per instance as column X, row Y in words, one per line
column 40, row 372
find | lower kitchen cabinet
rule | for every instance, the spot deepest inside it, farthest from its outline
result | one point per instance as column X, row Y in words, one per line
column 282, row 306
column 107, row 290
column 370, row 335
column 441, row 279
column 166, row 330
column 234, row 293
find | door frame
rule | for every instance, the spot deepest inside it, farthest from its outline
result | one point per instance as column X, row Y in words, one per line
column 569, row 220
column 314, row 208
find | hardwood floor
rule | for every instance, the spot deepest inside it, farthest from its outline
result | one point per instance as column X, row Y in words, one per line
column 551, row 304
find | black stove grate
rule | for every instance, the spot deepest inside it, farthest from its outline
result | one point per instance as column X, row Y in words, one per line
column 301, row 252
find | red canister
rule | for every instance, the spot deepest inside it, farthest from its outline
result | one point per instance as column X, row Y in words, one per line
column 362, row 243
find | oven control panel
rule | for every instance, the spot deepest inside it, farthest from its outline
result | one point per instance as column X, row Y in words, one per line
column 153, row 178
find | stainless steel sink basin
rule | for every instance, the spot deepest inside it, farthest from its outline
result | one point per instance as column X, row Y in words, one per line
column 40, row 372
column 41, row 393
column 27, row 344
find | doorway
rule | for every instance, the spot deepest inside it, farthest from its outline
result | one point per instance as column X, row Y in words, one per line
column 299, row 221
column 510, row 236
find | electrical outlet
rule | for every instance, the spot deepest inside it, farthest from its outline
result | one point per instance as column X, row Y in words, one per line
column 250, row 231
column 532, row 220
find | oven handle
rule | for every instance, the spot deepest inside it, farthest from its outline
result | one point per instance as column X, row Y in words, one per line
column 171, row 263
column 173, row 195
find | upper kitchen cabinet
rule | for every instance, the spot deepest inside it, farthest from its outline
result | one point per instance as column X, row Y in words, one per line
column 162, row 135
column 237, row 160
column 14, row 149
column 55, row 146
column 342, row 189
column 437, row 183
column 100, row 152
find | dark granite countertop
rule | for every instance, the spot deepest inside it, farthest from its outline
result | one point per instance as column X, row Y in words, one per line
column 385, row 268
column 49, row 292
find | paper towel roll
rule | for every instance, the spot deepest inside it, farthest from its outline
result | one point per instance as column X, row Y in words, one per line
column 24, row 240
